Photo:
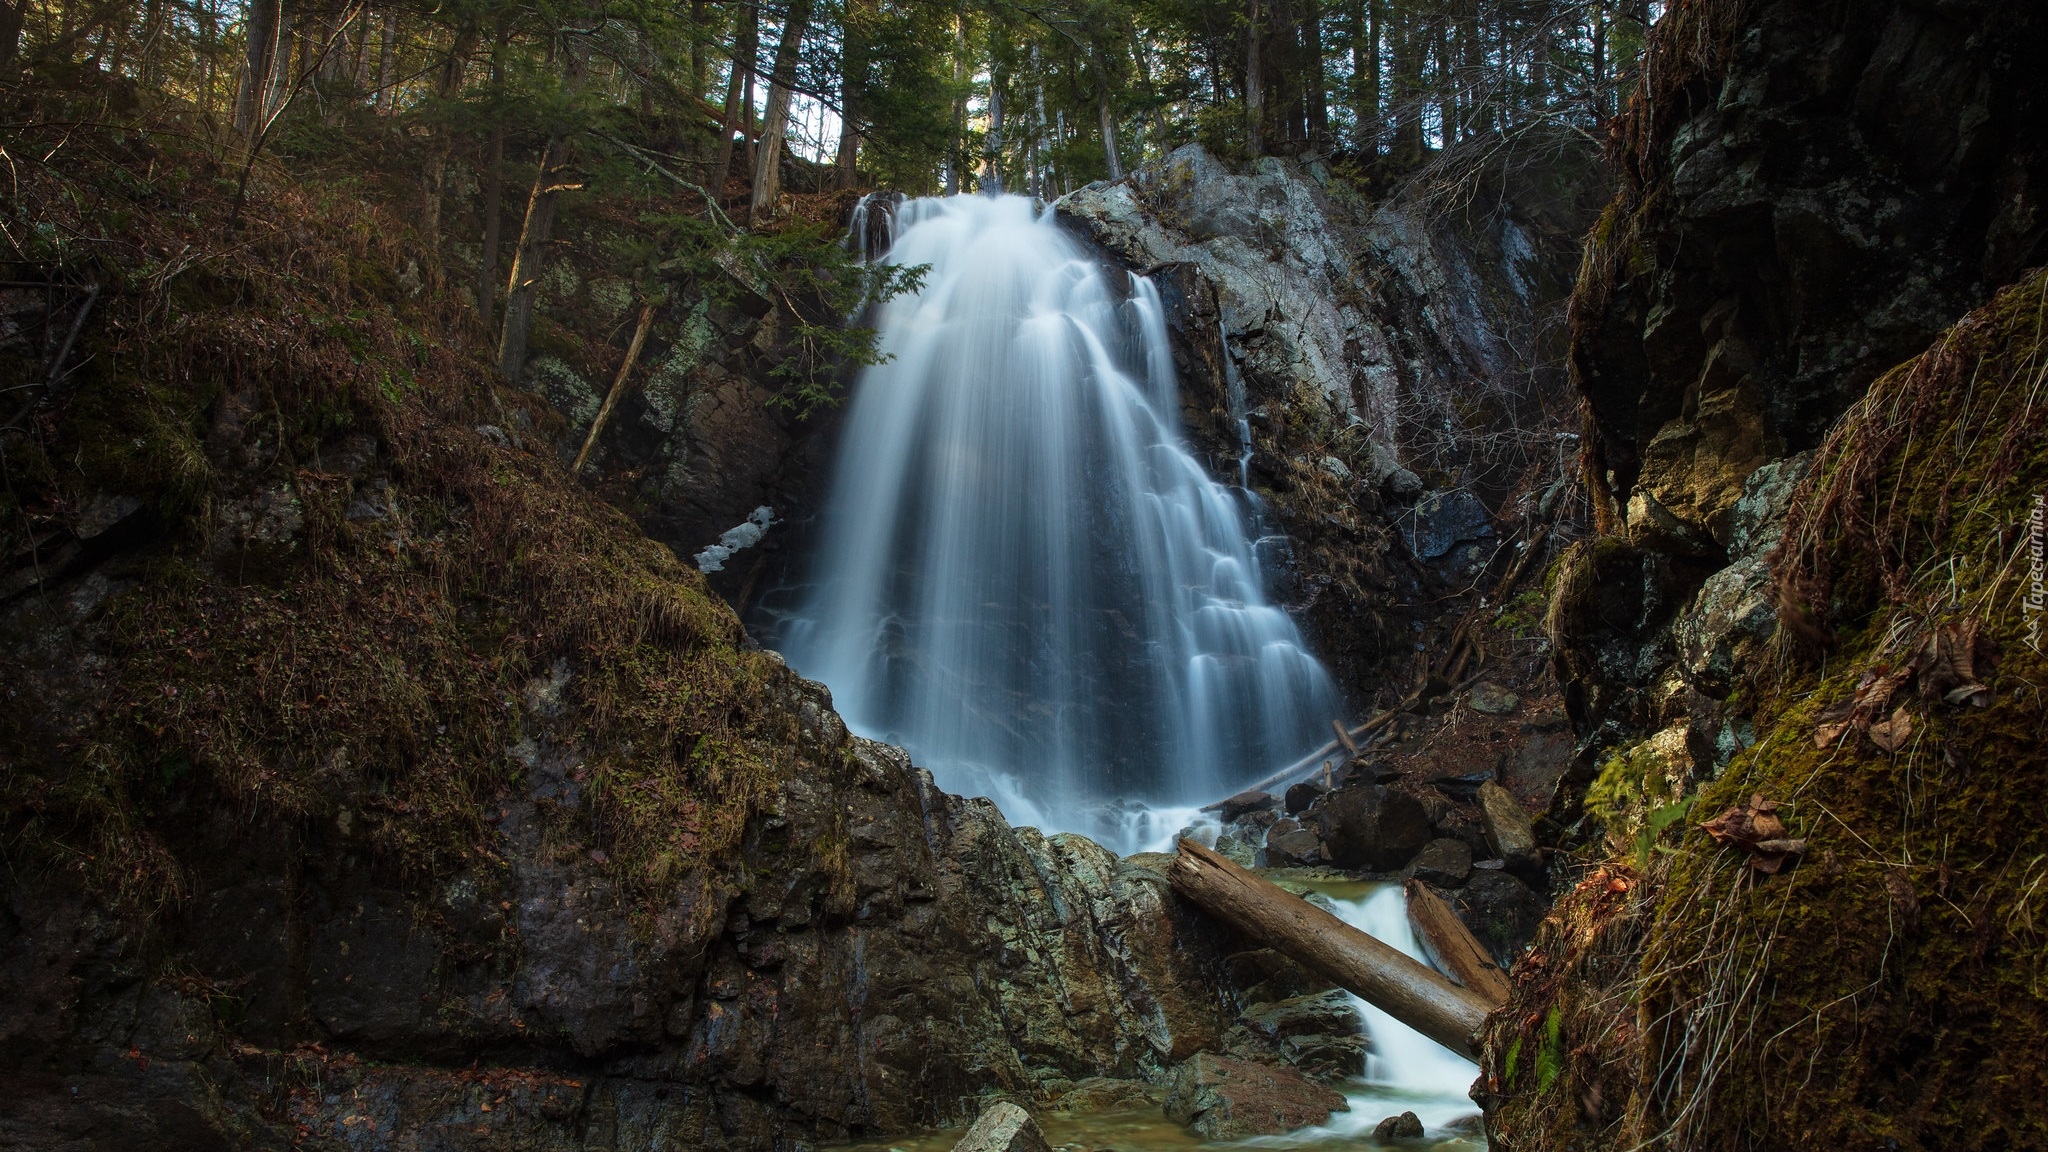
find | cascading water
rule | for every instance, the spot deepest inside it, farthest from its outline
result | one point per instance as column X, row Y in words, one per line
column 1023, row 577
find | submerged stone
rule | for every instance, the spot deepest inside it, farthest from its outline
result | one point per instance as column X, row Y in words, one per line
column 1226, row 1099
column 1003, row 1127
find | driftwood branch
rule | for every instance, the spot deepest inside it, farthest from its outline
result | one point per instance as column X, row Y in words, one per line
column 1411, row 992
column 611, row 398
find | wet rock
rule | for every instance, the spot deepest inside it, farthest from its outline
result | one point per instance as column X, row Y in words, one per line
column 1226, row 1099
column 1099, row 1092
column 1321, row 1033
column 1406, row 1126
column 1294, row 847
column 1245, row 803
column 1445, row 863
column 1500, row 910
column 1492, row 699
column 1372, row 827
column 1441, row 521
column 1300, row 796
column 1507, row 827
column 1727, row 626
column 1003, row 1127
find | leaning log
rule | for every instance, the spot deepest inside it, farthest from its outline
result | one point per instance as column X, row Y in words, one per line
column 1453, row 944
column 1409, row 991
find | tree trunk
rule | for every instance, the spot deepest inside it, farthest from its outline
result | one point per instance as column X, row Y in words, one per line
column 494, row 212
column 1109, row 148
column 992, row 147
column 1453, row 945
column 434, row 171
column 1254, row 94
column 739, row 82
column 618, row 389
column 1408, row 991
column 697, row 60
column 261, row 30
column 775, row 125
column 387, row 63
column 529, row 257
column 1318, row 98
column 12, row 17
column 957, row 158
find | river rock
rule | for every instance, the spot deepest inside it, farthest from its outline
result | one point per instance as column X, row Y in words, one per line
column 1289, row 845
column 1406, row 1126
column 1320, row 1033
column 1507, row 827
column 1300, row 796
column 1003, row 1127
column 1371, row 827
column 1444, row 862
column 1245, row 803
column 1225, row 1099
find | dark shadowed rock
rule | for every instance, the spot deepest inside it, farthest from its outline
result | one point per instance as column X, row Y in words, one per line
column 1003, row 1127
column 1445, row 863
column 1500, row 910
column 1370, row 827
column 1406, row 1126
column 1443, row 520
column 1294, row 847
column 1301, row 795
column 1244, row 803
column 1226, row 1099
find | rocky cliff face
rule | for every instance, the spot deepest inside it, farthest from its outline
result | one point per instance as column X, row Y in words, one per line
column 1808, row 196
column 1803, row 541
column 1378, row 363
column 881, row 957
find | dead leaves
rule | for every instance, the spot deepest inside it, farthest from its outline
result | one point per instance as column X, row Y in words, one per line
column 1756, row 830
column 1949, row 665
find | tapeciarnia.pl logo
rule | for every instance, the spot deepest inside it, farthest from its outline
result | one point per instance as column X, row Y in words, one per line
column 2037, row 569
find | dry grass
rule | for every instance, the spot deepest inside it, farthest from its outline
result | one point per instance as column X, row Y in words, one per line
column 371, row 666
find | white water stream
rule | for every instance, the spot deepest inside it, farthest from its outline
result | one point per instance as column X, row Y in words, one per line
column 1023, row 577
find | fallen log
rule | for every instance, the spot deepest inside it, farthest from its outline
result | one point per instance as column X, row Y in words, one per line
column 1409, row 991
column 1453, row 944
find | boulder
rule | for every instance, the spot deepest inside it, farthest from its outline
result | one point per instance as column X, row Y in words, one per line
column 1003, row 1127
column 1445, row 863
column 1244, row 803
column 1294, row 847
column 1500, row 910
column 1492, row 699
column 1225, row 1099
column 1370, row 827
column 1319, row 1033
column 1406, row 1126
column 1507, row 827
column 1443, row 520
column 1301, row 795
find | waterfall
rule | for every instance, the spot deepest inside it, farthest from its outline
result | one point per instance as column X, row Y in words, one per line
column 1021, row 574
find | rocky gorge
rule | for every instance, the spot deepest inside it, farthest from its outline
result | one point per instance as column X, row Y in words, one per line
column 592, row 925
